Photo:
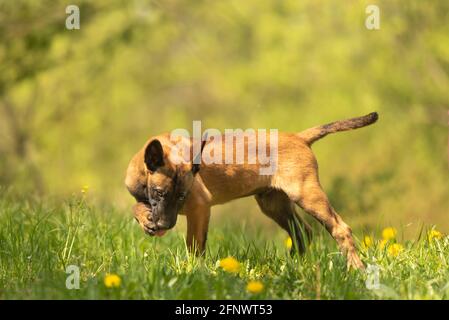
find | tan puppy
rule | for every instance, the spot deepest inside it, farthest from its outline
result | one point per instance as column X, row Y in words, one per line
column 164, row 187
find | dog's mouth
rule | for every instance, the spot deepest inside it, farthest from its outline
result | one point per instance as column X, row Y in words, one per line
column 154, row 232
column 160, row 233
column 143, row 214
column 160, row 228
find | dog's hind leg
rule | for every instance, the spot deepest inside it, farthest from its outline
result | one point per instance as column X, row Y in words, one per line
column 315, row 202
column 277, row 205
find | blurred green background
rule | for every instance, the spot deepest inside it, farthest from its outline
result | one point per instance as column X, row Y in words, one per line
column 75, row 105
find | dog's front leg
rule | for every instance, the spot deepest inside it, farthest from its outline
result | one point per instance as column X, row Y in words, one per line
column 197, row 227
column 142, row 214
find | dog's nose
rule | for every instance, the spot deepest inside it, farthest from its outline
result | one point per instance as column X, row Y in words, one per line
column 162, row 225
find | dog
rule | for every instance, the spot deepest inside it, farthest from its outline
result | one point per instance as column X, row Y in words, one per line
column 165, row 187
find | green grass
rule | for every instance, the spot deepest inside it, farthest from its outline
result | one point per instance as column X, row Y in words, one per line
column 38, row 241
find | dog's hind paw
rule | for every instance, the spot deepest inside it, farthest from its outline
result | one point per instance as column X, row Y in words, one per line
column 354, row 262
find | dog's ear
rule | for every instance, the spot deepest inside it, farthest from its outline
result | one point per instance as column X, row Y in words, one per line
column 154, row 155
column 197, row 159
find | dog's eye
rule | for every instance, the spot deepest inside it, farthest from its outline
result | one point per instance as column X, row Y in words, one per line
column 159, row 193
column 182, row 197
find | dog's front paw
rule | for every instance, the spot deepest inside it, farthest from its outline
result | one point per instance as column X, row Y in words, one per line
column 142, row 214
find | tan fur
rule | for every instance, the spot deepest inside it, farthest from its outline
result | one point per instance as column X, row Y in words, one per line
column 295, row 182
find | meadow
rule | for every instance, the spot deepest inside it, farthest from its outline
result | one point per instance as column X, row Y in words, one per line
column 76, row 105
column 40, row 239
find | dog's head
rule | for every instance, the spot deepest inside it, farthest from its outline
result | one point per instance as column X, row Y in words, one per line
column 160, row 183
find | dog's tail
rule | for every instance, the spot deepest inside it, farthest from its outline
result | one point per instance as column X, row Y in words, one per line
column 316, row 133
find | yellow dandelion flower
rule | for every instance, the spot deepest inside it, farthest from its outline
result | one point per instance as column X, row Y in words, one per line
column 112, row 281
column 434, row 234
column 254, row 287
column 382, row 243
column 84, row 189
column 367, row 242
column 230, row 264
column 288, row 243
column 395, row 249
column 389, row 233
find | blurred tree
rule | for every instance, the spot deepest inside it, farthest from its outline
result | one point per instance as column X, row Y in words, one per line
column 28, row 31
column 76, row 105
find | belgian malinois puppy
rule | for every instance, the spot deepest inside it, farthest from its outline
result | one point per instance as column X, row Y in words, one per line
column 165, row 187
